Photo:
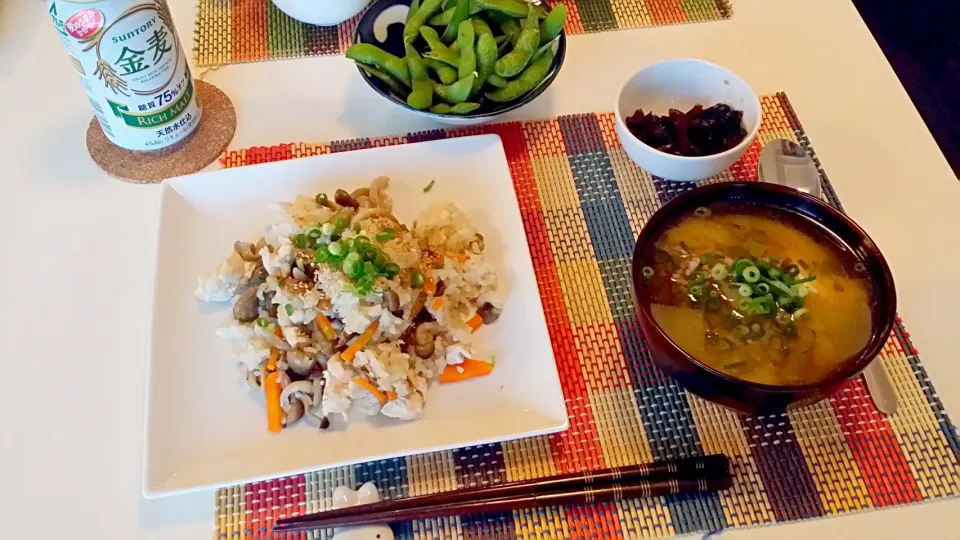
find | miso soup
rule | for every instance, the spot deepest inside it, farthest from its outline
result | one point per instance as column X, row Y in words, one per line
column 768, row 297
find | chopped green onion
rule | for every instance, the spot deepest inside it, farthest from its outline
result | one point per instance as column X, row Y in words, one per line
column 289, row 309
column 740, row 265
column 300, row 240
column 313, row 234
column 773, row 273
column 802, row 290
column 781, row 288
column 719, row 271
column 697, row 291
column 352, row 266
column 429, row 186
column 386, row 236
column 800, row 313
column 416, row 278
column 390, row 269
column 805, row 280
column 783, row 318
column 751, row 274
column 263, row 322
column 713, row 304
column 369, row 269
column 735, row 365
column 356, row 227
column 745, row 290
column 339, row 225
column 764, row 288
column 328, row 228
column 335, row 248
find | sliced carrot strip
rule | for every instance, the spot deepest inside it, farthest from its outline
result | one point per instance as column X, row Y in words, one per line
column 475, row 322
column 361, row 342
column 271, row 391
column 323, row 325
column 430, row 286
column 272, row 361
column 391, row 395
column 468, row 369
column 381, row 397
column 438, row 303
column 461, row 258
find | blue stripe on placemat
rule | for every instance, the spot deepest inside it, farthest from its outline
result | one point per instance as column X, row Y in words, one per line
column 352, row 144
column 664, row 409
column 424, row 136
column 782, row 467
column 391, row 478
column 477, row 466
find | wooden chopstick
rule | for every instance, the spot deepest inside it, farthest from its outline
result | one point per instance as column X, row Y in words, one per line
column 682, row 475
column 589, row 495
column 693, row 467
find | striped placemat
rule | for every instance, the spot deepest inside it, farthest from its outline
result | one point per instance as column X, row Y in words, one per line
column 583, row 202
column 233, row 31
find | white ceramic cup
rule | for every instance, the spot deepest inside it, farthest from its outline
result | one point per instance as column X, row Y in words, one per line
column 321, row 12
column 681, row 84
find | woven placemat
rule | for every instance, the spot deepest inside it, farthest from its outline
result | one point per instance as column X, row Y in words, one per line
column 583, row 202
column 233, row 31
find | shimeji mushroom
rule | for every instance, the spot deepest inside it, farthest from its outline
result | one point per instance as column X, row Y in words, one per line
column 296, row 398
column 300, row 362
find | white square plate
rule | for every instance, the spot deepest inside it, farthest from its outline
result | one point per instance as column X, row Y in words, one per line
column 205, row 428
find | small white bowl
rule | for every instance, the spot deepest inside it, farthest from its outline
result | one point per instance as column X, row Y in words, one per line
column 321, row 12
column 681, row 84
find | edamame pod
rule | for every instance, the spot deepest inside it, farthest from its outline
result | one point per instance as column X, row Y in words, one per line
column 497, row 81
column 460, row 108
column 422, row 95
column 438, row 50
column 426, row 9
column 443, row 18
column 414, row 6
column 460, row 14
column 445, row 73
column 512, row 30
column 552, row 25
column 517, row 9
column 392, row 83
column 457, row 92
column 527, row 81
column 480, row 27
column 371, row 55
column 546, row 47
column 516, row 60
column 486, row 59
column 468, row 55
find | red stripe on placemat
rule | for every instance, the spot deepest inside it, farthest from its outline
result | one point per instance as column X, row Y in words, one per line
column 248, row 20
column 594, row 521
column 883, row 467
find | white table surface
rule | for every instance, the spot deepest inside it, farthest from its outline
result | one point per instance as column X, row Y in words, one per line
column 79, row 252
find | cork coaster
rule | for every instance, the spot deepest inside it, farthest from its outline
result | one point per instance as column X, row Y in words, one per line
column 217, row 126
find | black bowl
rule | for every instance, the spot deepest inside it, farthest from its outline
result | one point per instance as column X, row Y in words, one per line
column 384, row 14
column 725, row 389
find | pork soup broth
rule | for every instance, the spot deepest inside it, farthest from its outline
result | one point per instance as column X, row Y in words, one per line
column 767, row 297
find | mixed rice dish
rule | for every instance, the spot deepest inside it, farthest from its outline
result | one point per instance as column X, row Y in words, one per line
column 341, row 307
